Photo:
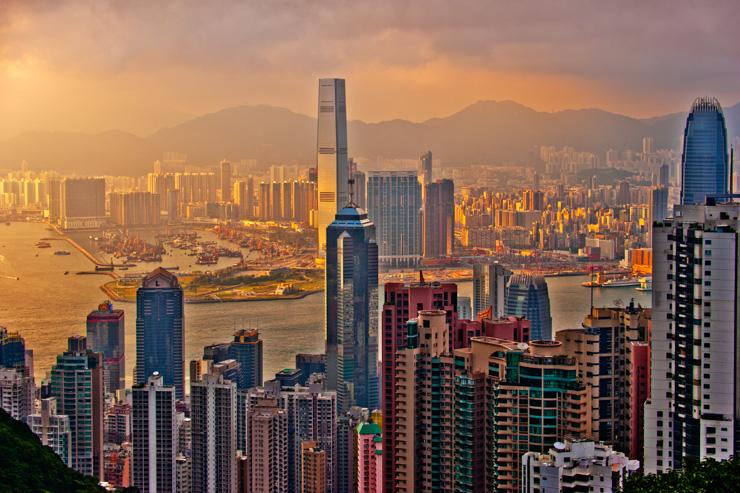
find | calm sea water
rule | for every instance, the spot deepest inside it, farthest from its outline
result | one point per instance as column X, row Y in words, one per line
column 47, row 306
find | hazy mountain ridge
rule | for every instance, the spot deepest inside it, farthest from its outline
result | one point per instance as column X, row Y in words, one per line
column 484, row 132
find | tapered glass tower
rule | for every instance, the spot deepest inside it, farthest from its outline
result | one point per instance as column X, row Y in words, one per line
column 705, row 163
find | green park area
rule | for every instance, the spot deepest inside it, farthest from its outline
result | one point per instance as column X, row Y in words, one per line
column 282, row 283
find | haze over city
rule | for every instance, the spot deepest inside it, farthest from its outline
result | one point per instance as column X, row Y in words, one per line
column 369, row 247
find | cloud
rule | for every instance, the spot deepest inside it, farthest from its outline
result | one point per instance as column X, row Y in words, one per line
column 636, row 49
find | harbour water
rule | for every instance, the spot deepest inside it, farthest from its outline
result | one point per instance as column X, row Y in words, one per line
column 47, row 306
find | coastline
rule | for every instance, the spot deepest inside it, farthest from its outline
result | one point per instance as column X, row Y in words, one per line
column 121, row 299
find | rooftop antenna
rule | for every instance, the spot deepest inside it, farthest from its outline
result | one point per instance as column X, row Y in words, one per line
column 351, row 183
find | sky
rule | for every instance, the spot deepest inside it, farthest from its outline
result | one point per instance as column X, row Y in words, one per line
column 93, row 66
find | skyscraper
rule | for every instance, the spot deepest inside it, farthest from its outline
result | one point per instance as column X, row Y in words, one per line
column 527, row 296
column 12, row 349
column 16, row 393
column 52, row 429
column 267, row 443
column 312, row 416
column 393, row 204
column 331, row 154
column 105, row 334
column 424, row 172
column 369, row 458
column 602, row 349
column 213, row 411
column 224, row 176
column 422, row 427
column 313, row 468
column 489, row 288
column 439, row 219
column 692, row 413
column 351, row 309
column 705, row 166
column 154, row 436
column 527, row 387
column 246, row 349
column 77, row 383
column 159, row 330
column 402, row 302
column 82, row 203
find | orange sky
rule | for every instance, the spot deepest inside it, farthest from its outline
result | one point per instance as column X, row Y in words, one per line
column 94, row 66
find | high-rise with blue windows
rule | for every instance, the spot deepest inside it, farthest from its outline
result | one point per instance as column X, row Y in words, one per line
column 159, row 330
column 527, row 296
column 12, row 349
column 705, row 163
column 352, row 309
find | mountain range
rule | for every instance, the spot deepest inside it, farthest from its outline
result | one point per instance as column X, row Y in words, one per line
column 487, row 132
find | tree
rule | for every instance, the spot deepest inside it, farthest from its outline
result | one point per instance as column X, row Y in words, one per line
column 702, row 477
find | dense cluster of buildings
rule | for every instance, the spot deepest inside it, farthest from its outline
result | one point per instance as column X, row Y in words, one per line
column 411, row 393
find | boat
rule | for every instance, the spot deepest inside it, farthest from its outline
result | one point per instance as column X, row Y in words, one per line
column 622, row 282
column 62, row 252
column 646, row 284
column 66, row 272
column 43, row 244
column 599, row 281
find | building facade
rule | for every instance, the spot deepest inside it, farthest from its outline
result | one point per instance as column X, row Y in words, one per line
column 246, row 349
column 527, row 296
column 705, row 168
column 439, row 219
column 351, row 314
column 576, row 465
column 106, row 334
column 422, row 425
column 489, row 288
column 402, row 302
column 691, row 414
column 393, row 205
column 77, row 383
column 602, row 349
column 213, row 413
column 160, row 327
column 154, row 436
column 369, row 458
column 332, row 161
column 52, row 429
column 267, row 443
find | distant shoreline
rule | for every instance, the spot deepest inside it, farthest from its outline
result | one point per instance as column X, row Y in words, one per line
column 120, row 299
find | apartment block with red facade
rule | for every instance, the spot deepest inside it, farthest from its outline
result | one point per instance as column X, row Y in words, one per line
column 402, row 302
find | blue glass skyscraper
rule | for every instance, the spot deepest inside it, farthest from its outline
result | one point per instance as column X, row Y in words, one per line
column 246, row 348
column 527, row 296
column 159, row 330
column 12, row 349
column 705, row 163
column 352, row 309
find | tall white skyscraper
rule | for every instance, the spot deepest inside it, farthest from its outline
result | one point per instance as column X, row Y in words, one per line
column 692, row 413
column 154, row 436
column 332, row 154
